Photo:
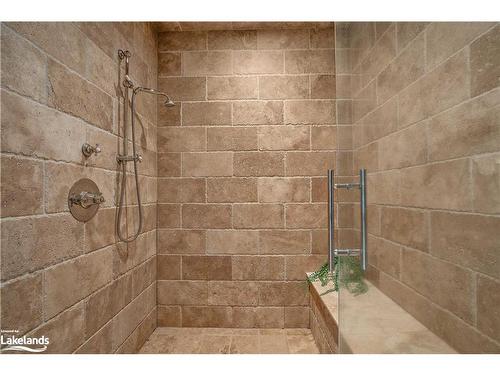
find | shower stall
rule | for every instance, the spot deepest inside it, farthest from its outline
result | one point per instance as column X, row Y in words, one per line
column 317, row 187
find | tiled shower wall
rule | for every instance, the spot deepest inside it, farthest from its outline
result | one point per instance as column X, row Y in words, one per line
column 61, row 278
column 241, row 166
column 426, row 125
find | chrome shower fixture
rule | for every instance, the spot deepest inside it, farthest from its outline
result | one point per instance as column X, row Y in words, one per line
column 135, row 157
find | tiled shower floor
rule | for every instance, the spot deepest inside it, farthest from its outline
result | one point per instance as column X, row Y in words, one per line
column 230, row 341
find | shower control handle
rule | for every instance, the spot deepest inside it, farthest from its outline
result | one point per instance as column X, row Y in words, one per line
column 88, row 149
column 86, row 199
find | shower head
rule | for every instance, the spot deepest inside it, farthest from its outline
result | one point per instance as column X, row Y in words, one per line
column 168, row 102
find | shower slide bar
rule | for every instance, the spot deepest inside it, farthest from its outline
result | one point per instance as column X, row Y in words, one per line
column 332, row 251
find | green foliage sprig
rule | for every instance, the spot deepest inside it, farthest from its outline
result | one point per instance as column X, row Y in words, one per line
column 346, row 273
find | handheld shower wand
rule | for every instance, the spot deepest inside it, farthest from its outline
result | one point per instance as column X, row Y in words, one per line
column 135, row 158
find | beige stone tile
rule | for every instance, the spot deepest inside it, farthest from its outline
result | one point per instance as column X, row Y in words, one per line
column 213, row 216
column 29, row 244
column 443, row 185
column 310, row 112
column 443, row 39
column 232, row 242
column 175, row 292
column 306, row 216
column 256, row 216
column 136, row 340
column 403, row 149
column 423, row 272
column 69, row 93
column 296, row 316
column 276, row 189
column 100, row 230
column 344, row 112
column 231, row 190
column 62, row 40
column 442, row 88
column 258, row 268
column 385, row 256
column 269, row 317
column 309, row 163
column 319, row 189
column 244, row 345
column 185, row 88
column 169, row 215
column 23, row 67
column 22, row 303
column 68, row 327
column 282, row 39
column 244, row 320
column 169, row 316
column 34, row 140
column 310, row 61
column 176, row 139
column 279, row 293
column 168, row 116
column 319, row 241
column 382, row 53
column 173, row 241
column 488, row 296
column 69, row 282
column 284, row 87
column 169, row 64
column 182, row 41
column 207, row 164
column 232, row 139
column 298, row 265
column 177, row 190
column 232, row 39
column 23, row 194
column 484, row 54
column 258, row 164
column 232, row 88
column 364, row 101
column 275, row 138
column 240, row 293
column 302, row 344
column 323, row 137
column 206, row 113
column 284, row 242
column 207, row 63
column 470, row 128
column 368, row 156
column 467, row 239
column 106, row 303
column 323, row 86
column 322, row 38
column 382, row 121
column 405, row 226
column 258, row 113
column 385, row 187
column 407, row 31
column 215, row 345
column 169, row 164
column 195, row 267
column 486, row 184
column 258, row 62
column 169, row 267
column 402, row 71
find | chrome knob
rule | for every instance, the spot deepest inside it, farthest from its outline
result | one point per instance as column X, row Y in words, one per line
column 139, row 158
column 88, row 150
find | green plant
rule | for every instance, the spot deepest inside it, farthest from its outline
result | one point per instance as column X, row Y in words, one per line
column 346, row 273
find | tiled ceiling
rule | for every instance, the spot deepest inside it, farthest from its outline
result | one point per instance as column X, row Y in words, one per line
column 189, row 26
